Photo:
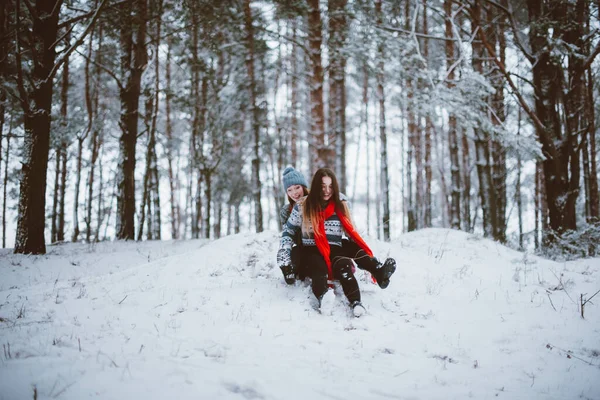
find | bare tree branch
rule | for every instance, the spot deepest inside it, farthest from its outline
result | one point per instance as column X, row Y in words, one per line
column 89, row 14
column 591, row 58
column 77, row 42
column 56, row 9
column 509, row 13
column 31, row 9
column 460, row 59
column 281, row 36
column 104, row 68
column 541, row 129
column 63, row 36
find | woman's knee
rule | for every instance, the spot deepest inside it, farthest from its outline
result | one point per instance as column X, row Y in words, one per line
column 342, row 269
column 315, row 264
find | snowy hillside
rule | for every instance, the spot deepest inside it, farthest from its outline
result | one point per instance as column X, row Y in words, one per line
column 462, row 318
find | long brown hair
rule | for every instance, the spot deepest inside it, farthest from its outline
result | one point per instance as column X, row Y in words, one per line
column 312, row 207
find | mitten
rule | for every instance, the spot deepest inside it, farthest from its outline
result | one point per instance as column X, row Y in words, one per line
column 289, row 274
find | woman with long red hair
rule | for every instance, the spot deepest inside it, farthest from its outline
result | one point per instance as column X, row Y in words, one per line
column 323, row 218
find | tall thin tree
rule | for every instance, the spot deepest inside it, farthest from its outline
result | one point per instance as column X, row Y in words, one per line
column 169, row 148
column 384, row 177
column 487, row 190
column 35, row 91
column 132, row 60
column 322, row 154
column 256, row 118
column 452, row 123
column 337, row 85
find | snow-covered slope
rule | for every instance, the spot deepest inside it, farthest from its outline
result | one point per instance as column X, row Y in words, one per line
column 463, row 317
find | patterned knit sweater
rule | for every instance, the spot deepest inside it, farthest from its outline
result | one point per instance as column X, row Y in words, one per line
column 286, row 210
column 284, row 214
column 333, row 230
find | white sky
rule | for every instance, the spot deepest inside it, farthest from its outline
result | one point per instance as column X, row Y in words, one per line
column 462, row 318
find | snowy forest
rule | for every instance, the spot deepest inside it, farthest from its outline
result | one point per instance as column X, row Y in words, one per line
column 161, row 119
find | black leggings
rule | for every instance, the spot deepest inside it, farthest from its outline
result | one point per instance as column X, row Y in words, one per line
column 316, row 269
column 362, row 259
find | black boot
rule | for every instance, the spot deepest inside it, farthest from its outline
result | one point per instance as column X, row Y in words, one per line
column 384, row 272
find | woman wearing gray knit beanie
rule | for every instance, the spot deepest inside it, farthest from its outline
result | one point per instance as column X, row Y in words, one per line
column 296, row 187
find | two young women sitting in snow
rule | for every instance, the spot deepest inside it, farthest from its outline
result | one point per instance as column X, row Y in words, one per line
column 313, row 243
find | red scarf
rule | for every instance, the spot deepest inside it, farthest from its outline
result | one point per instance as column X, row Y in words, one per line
column 321, row 238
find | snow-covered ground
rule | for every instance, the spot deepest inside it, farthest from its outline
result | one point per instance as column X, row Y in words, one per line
column 462, row 318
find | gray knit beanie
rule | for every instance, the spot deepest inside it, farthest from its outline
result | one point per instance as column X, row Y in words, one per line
column 293, row 177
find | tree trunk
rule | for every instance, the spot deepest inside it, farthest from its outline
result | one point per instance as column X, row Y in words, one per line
column 60, row 233
column 80, row 139
column 561, row 164
column 4, row 21
column 452, row 125
column 94, row 151
column 5, row 183
column 189, row 211
column 323, row 153
column 150, row 199
column 92, row 103
column 154, row 176
column 574, row 24
column 466, row 179
column 337, row 88
column 590, row 149
column 536, row 206
column 496, row 22
column 294, row 128
column 518, row 193
column 591, row 134
column 37, row 105
column 133, row 60
column 75, row 236
column 487, row 189
column 385, row 188
column 412, row 127
column 36, row 101
column 440, row 148
column 278, row 152
column 411, row 207
column 237, row 219
column 204, row 161
column 229, row 219
column 169, row 148
column 196, row 141
column 419, row 145
column 54, row 226
column 154, row 190
column 154, row 200
column 365, row 121
column 428, row 172
column 145, row 201
column 208, row 201
column 585, row 167
column 428, row 131
column 218, row 217
column 100, row 207
column 61, row 154
column 256, row 183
